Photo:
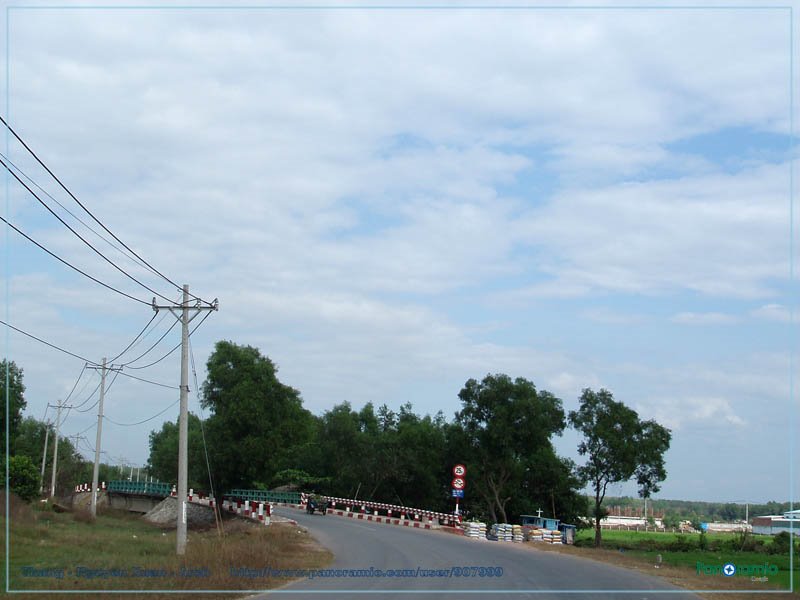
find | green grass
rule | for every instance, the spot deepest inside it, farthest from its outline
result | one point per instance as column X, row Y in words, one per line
column 123, row 542
column 684, row 551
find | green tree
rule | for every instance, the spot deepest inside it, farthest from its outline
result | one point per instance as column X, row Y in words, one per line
column 618, row 446
column 257, row 422
column 16, row 401
column 162, row 462
column 23, row 477
column 504, row 428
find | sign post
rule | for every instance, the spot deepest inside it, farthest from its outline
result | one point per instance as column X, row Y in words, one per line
column 459, row 483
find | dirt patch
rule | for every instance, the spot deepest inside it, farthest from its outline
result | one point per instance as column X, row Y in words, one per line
column 165, row 515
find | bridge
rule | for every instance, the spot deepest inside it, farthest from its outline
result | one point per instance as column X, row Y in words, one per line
column 141, row 497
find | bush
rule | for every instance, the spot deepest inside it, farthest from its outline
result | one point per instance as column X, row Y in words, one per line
column 780, row 543
column 23, row 477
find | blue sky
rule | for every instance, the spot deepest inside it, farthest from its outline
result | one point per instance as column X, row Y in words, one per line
column 388, row 203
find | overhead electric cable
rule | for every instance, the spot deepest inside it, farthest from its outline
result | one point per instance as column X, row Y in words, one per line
column 89, row 397
column 83, row 370
column 64, row 187
column 146, row 352
column 70, row 265
column 83, row 239
column 48, row 343
column 138, row 263
column 108, row 387
column 164, row 385
column 128, row 347
column 145, row 420
column 173, row 350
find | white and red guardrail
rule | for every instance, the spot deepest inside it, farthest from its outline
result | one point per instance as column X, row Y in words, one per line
column 392, row 513
column 87, row 487
column 258, row 511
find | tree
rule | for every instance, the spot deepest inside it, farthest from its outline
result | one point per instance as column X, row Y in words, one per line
column 23, row 477
column 502, row 429
column 16, row 401
column 256, row 420
column 162, row 462
column 618, row 447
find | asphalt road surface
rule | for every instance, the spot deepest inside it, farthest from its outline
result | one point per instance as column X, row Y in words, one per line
column 431, row 560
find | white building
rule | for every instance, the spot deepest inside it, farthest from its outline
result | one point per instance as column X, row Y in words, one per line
column 773, row 524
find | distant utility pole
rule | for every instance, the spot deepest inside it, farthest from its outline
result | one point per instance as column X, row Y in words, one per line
column 183, row 423
column 55, row 454
column 44, row 456
column 98, row 438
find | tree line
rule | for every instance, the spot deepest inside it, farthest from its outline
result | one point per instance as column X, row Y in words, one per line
column 258, row 435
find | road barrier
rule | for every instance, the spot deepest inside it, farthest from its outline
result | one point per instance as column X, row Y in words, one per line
column 393, row 512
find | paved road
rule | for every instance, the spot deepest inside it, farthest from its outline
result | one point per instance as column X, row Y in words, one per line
column 363, row 545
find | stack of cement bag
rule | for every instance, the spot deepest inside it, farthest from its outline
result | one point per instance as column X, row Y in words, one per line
column 552, row 536
column 502, row 532
column 475, row 529
column 517, row 534
column 531, row 533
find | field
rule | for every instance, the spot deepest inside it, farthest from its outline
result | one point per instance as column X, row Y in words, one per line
column 698, row 556
column 67, row 551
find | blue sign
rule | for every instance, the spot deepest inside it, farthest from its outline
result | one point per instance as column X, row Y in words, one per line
column 458, row 493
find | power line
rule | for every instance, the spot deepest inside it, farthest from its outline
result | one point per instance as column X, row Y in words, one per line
column 145, row 420
column 74, row 216
column 171, row 351
column 83, row 239
column 95, row 391
column 86, row 360
column 164, row 385
column 89, row 397
column 128, row 347
column 70, row 265
column 64, row 187
column 146, row 352
column 83, row 370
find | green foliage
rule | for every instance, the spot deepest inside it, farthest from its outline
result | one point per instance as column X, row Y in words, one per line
column 16, row 401
column 256, row 421
column 781, row 543
column 618, row 447
column 23, row 477
column 504, row 433
column 163, row 460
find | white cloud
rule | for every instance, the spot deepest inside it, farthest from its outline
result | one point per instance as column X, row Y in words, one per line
column 773, row 312
column 684, row 411
column 709, row 318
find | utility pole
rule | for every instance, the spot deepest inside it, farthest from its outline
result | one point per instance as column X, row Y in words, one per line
column 55, row 454
column 183, row 421
column 44, row 456
column 96, row 468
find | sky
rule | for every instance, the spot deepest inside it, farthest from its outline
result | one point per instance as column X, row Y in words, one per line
column 390, row 201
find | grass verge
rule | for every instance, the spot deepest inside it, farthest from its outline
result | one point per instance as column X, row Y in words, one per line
column 120, row 551
column 687, row 568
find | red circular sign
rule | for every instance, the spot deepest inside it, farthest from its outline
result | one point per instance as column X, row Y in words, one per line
column 459, row 483
column 459, row 470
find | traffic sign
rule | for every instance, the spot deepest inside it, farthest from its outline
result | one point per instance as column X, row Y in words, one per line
column 459, row 483
column 459, row 470
column 458, row 493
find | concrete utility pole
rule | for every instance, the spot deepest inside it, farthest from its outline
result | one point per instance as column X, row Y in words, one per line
column 183, row 422
column 44, row 456
column 96, row 468
column 55, row 454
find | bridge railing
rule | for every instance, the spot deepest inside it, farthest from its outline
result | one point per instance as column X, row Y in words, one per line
column 143, row 488
column 391, row 510
column 265, row 496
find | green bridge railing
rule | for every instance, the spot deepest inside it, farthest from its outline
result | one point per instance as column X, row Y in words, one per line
column 165, row 489
column 144, row 488
column 265, row 496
